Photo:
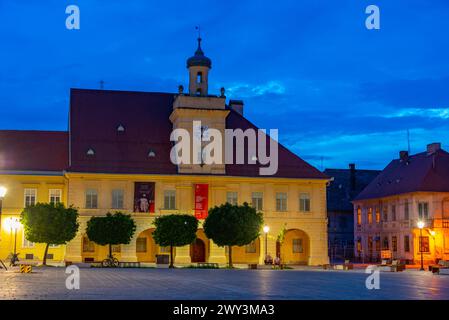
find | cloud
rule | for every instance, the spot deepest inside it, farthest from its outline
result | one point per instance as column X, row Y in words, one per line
column 442, row 113
column 246, row 90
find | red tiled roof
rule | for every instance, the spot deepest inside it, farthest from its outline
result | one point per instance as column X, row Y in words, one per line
column 96, row 114
column 422, row 172
column 33, row 150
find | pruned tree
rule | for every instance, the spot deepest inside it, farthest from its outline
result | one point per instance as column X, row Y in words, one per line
column 175, row 230
column 49, row 223
column 233, row 225
column 112, row 229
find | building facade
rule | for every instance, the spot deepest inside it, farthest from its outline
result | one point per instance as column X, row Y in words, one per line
column 344, row 186
column 118, row 156
column 386, row 213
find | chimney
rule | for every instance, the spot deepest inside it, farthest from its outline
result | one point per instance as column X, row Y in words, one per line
column 237, row 106
column 433, row 147
column 403, row 155
column 352, row 175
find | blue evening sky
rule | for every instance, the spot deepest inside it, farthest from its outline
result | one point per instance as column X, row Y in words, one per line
column 337, row 92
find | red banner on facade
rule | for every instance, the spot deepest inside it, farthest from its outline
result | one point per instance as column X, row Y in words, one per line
column 201, row 200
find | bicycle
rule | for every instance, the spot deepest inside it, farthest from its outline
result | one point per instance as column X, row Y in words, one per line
column 13, row 259
column 110, row 262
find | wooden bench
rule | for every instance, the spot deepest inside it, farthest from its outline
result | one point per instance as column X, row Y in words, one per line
column 129, row 264
column 207, row 265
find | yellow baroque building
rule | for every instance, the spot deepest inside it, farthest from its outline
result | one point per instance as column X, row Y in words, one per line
column 115, row 156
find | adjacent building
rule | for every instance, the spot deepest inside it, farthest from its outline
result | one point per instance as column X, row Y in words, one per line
column 344, row 186
column 115, row 156
column 411, row 188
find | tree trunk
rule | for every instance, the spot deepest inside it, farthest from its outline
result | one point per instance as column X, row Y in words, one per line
column 44, row 262
column 230, row 256
column 171, row 257
column 110, row 251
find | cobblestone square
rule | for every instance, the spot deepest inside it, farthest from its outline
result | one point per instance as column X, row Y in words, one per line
column 147, row 283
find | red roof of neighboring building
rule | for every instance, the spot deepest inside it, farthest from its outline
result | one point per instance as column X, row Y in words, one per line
column 23, row 150
column 95, row 116
column 420, row 172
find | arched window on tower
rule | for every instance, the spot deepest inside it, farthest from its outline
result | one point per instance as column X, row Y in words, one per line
column 199, row 77
column 198, row 92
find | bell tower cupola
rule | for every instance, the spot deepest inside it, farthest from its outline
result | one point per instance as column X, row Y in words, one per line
column 199, row 66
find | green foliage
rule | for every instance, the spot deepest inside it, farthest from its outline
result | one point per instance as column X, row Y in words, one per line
column 50, row 223
column 281, row 235
column 233, row 225
column 112, row 229
column 175, row 230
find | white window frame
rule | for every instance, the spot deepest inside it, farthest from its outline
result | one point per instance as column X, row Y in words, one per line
column 87, row 193
column 115, row 201
column 304, row 202
column 232, row 197
column 282, row 198
column 257, row 196
column 169, row 199
column 25, row 195
column 50, row 195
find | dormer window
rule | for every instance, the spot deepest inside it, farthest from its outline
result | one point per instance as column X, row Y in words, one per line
column 120, row 128
column 90, row 152
column 151, row 153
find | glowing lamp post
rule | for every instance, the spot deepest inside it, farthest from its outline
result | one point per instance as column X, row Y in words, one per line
column 266, row 229
column 2, row 196
column 420, row 225
column 14, row 225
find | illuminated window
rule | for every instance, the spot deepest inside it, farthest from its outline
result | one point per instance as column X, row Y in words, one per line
column 424, row 244
column 232, row 198
column 370, row 215
column 359, row 216
column 257, row 200
column 251, row 248
column 169, row 199
column 30, row 197
column 141, row 245
column 297, row 246
column 91, row 199
column 377, row 214
column 423, row 210
column 55, row 195
column 370, row 244
column 359, row 245
column 304, row 202
column 281, row 201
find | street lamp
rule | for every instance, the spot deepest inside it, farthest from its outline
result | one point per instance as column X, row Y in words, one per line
column 266, row 229
column 420, row 225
